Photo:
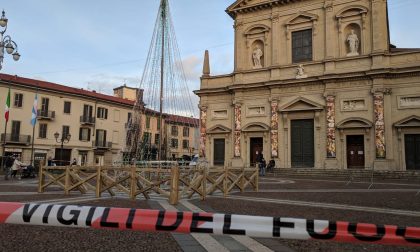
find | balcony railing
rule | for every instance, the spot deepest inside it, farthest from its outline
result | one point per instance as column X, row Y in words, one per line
column 45, row 114
column 131, row 126
column 87, row 120
column 101, row 145
column 16, row 139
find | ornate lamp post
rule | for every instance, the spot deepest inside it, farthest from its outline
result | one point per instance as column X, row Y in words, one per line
column 6, row 42
column 63, row 140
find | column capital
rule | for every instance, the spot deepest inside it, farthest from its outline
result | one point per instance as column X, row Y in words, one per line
column 329, row 94
column 237, row 102
column 385, row 91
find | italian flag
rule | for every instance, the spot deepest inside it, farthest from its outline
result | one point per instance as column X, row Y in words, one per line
column 6, row 110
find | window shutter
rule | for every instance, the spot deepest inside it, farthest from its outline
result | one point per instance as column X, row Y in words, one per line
column 80, row 134
column 88, row 135
column 106, row 113
column 97, row 113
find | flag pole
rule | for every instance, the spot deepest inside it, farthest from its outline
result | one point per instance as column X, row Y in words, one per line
column 5, row 127
column 33, row 122
column 32, row 150
column 4, row 146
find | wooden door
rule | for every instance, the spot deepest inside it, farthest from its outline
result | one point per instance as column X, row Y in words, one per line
column 355, row 152
column 219, row 152
column 412, row 151
column 302, row 143
column 256, row 144
column 62, row 156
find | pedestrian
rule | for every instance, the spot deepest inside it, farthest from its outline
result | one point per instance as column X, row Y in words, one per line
column 8, row 164
column 260, row 162
column 74, row 162
column 17, row 165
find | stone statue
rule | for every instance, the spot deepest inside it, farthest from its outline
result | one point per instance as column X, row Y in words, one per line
column 300, row 72
column 256, row 57
column 353, row 41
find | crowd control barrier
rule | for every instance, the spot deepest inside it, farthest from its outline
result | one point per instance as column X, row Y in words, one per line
column 221, row 224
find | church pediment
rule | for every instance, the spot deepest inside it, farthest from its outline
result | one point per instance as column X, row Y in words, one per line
column 218, row 129
column 412, row 121
column 244, row 6
column 302, row 18
column 255, row 127
column 301, row 104
column 353, row 123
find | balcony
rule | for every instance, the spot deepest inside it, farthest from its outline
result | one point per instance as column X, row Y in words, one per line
column 131, row 126
column 87, row 120
column 16, row 139
column 102, row 145
column 45, row 114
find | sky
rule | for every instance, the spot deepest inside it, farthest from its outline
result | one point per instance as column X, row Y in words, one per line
column 102, row 44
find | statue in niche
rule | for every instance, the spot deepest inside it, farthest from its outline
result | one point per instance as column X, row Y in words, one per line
column 353, row 41
column 300, row 72
column 256, row 57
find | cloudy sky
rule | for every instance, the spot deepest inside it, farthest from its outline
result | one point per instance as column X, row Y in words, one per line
column 100, row 44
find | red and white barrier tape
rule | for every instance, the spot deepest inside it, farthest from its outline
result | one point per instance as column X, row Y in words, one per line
column 189, row 222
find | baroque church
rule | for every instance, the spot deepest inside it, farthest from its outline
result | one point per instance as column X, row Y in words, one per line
column 316, row 83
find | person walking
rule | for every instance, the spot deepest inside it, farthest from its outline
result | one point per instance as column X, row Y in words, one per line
column 17, row 165
column 8, row 165
column 261, row 163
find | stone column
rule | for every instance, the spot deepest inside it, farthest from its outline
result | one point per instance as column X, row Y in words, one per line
column 274, row 129
column 331, row 146
column 378, row 107
column 203, row 129
column 238, row 57
column 237, row 130
column 329, row 30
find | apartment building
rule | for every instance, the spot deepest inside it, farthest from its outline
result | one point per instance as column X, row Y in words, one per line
column 93, row 125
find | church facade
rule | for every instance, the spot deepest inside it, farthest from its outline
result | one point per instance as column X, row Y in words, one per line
column 316, row 83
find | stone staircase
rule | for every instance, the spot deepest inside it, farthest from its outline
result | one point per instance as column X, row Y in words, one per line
column 345, row 174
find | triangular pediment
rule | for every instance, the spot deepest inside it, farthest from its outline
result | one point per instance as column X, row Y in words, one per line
column 256, row 127
column 301, row 104
column 243, row 3
column 301, row 18
column 244, row 6
column 412, row 121
column 219, row 129
column 353, row 123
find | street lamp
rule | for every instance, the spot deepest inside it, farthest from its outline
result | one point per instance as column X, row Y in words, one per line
column 6, row 42
column 64, row 139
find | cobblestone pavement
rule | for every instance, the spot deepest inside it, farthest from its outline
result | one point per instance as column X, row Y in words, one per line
column 387, row 202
